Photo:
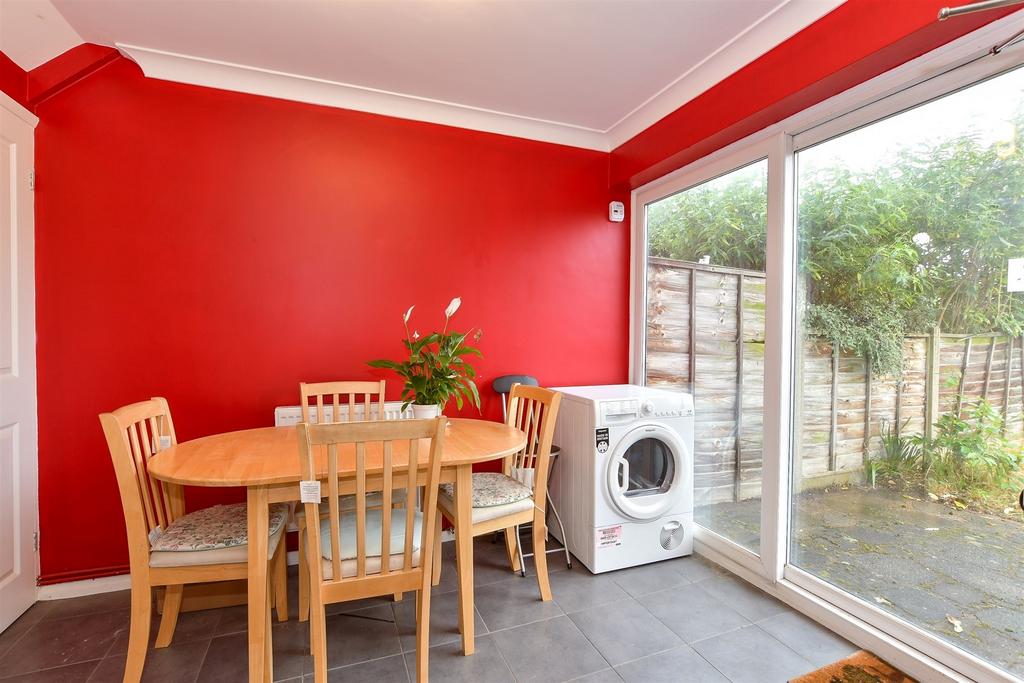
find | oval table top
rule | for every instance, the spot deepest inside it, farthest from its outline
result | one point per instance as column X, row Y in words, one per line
column 270, row 455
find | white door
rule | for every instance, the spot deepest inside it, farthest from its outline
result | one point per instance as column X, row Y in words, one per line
column 19, row 467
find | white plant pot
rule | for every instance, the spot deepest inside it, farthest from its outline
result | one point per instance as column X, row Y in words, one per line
column 425, row 412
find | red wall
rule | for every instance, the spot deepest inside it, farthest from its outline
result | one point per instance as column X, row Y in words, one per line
column 857, row 41
column 13, row 80
column 217, row 248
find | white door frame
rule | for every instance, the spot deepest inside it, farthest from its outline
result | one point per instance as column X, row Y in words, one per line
column 958, row 64
column 19, row 444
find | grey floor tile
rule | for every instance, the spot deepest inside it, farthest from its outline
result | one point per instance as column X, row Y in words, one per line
column 550, row 650
column 21, row 625
column 649, row 578
column 603, row 676
column 60, row 642
column 579, row 589
column 449, row 578
column 191, row 626
column 623, row 631
column 692, row 613
column 174, row 664
column 361, row 636
column 749, row 601
column 750, row 655
column 444, row 621
column 385, row 670
column 230, row 653
column 680, row 664
column 232, row 620
column 89, row 604
column 447, row 663
column 513, row 602
column 696, row 568
column 74, row 673
column 807, row 638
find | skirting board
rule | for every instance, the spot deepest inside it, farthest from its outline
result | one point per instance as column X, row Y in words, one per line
column 77, row 589
column 111, row 584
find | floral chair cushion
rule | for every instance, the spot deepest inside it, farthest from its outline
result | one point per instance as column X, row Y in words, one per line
column 213, row 528
column 493, row 488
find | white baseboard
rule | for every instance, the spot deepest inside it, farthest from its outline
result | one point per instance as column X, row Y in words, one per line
column 78, row 589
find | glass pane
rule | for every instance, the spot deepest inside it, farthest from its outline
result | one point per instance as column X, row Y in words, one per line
column 705, row 335
column 908, row 419
column 651, row 468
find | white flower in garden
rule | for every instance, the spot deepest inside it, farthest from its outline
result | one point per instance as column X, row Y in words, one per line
column 408, row 314
column 452, row 307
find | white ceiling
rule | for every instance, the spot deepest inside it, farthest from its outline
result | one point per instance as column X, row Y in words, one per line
column 33, row 32
column 589, row 73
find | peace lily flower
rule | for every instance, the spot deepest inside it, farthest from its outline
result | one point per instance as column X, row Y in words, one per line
column 408, row 314
column 415, row 334
column 452, row 307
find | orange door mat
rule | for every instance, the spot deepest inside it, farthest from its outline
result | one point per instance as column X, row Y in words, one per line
column 861, row 667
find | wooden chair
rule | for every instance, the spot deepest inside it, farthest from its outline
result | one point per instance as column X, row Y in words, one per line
column 372, row 552
column 518, row 494
column 167, row 547
column 313, row 396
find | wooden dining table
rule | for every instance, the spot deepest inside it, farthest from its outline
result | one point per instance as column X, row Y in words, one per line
column 266, row 462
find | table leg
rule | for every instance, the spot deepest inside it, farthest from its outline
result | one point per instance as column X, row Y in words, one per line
column 464, row 552
column 261, row 663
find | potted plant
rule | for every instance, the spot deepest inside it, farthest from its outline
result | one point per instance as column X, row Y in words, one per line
column 436, row 369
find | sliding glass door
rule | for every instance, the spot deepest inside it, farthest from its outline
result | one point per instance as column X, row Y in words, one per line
column 908, row 429
column 705, row 324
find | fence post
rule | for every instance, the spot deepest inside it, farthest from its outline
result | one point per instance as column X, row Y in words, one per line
column 963, row 377
column 740, row 333
column 693, row 335
column 988, row 367
column 1010, row 343
column 832, row 429
column 867, row 407
column 899, row 403
column 934, row 368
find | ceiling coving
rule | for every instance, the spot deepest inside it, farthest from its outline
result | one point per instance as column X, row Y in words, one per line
column 588, row 74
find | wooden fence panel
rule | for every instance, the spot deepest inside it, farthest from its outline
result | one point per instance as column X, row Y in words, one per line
column 843, row 410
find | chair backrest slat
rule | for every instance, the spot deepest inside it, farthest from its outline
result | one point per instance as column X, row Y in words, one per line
column 385, row 509
column 361, row 509
column 410, row 496
column 341, row 394
column 334, row 507
column 376, row 450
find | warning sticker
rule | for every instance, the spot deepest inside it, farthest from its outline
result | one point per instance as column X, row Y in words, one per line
column 609, row 536
column 601, row 436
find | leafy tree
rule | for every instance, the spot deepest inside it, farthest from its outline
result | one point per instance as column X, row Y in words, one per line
column 916, row 242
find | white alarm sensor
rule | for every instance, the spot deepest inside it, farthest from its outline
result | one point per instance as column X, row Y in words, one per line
column 616, row 212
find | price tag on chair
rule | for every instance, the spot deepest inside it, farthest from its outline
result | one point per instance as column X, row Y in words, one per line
column 309, row 491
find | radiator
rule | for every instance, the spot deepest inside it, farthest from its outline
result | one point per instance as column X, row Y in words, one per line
column 285, row 416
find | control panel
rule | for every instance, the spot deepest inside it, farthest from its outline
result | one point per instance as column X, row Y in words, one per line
column 617, row 412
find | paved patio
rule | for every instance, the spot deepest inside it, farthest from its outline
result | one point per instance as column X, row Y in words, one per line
column 920, row 560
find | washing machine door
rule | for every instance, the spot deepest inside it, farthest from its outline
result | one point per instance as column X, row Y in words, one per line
column 647, row 471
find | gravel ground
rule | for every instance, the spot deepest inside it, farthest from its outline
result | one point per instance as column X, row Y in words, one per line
column 923, row 561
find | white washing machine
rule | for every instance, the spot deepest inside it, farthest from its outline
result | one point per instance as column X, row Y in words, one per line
column 623, row 483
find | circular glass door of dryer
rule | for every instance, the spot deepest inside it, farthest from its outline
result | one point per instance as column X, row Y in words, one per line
column 646, row 472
